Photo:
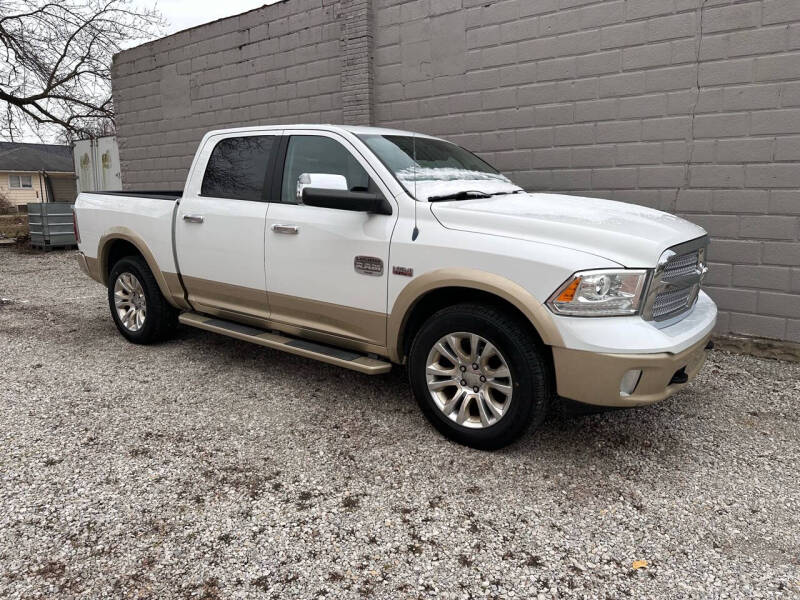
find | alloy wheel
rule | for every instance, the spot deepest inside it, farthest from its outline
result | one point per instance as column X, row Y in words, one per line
column 469, row 380
column 130, row 302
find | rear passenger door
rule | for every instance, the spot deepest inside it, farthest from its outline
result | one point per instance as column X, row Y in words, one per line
column 219, row 229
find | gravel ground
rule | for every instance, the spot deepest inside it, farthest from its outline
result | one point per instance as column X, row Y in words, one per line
column 210, row 468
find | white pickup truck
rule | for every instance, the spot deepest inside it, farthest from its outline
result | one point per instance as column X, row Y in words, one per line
column 362, row 247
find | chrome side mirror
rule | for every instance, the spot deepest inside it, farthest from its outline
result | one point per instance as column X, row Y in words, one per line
column 325, row 181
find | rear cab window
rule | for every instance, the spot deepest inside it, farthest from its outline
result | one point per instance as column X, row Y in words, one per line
column 239, row 168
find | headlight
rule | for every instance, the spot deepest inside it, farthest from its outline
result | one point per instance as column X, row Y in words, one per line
column 606, row 293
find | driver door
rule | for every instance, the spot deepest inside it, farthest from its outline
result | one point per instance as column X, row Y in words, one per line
column 327, row 267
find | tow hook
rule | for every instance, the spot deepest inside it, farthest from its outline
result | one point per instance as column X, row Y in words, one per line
column 679, row 377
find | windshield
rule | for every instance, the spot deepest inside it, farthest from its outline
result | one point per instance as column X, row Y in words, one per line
column 428, row 168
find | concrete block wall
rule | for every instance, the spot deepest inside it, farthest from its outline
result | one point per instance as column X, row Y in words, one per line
column 283, row 63
column 356, row 62
column 687, row 106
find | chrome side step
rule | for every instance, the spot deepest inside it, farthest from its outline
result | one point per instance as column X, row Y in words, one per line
column 308, row 349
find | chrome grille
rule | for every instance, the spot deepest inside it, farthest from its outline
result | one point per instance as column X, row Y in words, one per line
column 680, row 266
column 668, row 303
column 676, row 281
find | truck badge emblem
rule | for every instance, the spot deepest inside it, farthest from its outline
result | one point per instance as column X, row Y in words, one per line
column 368, row 265
column 404, row 271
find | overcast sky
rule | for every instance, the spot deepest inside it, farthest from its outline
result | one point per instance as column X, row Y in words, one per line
column 182, row 14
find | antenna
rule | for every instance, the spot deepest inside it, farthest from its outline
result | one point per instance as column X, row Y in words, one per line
column 415, row 233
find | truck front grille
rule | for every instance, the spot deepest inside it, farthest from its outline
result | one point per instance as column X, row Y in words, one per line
column 680, row 266
column 676, row 281
column 671, row 303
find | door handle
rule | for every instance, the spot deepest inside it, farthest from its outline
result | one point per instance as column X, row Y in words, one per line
column 193, row 218
column 287, row 229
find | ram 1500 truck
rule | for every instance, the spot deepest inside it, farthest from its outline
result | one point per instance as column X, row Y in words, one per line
column 362, row 247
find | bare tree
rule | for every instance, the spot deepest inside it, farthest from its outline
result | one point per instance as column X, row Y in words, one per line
column 55, row 72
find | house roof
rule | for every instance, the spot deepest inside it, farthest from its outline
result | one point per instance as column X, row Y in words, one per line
column 35, row 157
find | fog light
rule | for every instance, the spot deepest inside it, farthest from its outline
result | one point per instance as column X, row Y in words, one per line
column 629, row 382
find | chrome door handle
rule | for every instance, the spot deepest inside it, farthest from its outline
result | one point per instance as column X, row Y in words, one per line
column 287, row 229
column 193, row 218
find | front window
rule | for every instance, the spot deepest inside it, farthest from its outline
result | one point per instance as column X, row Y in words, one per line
column 20, row 182
column 428, row 167
column 320, row 161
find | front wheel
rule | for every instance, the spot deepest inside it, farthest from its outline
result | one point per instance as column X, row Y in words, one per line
column 479, row 375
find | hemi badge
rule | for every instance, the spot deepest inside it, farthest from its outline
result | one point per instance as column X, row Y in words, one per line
column 404, row 271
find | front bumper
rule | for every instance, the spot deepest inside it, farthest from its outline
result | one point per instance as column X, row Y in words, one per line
column 594, row 378
column 597, row 353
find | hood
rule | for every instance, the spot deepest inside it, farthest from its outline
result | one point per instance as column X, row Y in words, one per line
column 631, row 235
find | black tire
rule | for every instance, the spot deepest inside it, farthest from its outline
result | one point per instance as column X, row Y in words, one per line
column 527, row 359
column 161, row 318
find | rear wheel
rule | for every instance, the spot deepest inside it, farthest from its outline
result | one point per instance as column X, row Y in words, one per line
column 140, row 311
column 480, row 376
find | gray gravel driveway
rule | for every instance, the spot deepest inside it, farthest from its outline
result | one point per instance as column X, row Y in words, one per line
column 209, row 468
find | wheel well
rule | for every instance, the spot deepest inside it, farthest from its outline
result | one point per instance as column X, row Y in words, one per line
column 118, row 249
column 440, row 298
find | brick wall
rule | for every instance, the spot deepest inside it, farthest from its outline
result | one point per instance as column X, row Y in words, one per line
column 687, row 106
column 683, row 106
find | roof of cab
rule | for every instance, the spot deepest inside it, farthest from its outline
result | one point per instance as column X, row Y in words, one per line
column 354, row 129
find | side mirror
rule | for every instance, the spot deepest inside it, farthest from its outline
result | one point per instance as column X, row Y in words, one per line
column 327, row 181
column 346, row 200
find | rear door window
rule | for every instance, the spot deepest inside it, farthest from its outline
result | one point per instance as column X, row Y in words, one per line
column 238, row 167
column 316, row 154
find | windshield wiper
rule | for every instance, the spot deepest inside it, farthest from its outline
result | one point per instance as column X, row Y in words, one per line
column 471, row 194
column 508, row 193
column 465, row 195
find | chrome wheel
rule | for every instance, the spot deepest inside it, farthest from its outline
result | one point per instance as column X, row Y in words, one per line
column 469, row 380
column 130, row 302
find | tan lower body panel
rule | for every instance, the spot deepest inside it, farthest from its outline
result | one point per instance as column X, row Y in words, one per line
column 343, row 321
column 326, row 354
column 594, row 377
column 175, row 290
column 90, row 266
column 236, row 299
column 345, row 326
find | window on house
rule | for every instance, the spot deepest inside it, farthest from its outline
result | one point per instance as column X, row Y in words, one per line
column 20, row 182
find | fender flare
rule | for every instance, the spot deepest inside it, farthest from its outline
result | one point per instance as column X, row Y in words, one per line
column 535, row 311
column 124, row 233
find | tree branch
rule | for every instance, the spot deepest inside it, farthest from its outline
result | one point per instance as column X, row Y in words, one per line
column 55, row 71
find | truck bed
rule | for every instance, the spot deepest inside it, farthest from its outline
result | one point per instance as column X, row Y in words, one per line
column 143, row 217
column 154, row 195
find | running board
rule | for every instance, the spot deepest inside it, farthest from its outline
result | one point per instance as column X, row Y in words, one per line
column 320, row 352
